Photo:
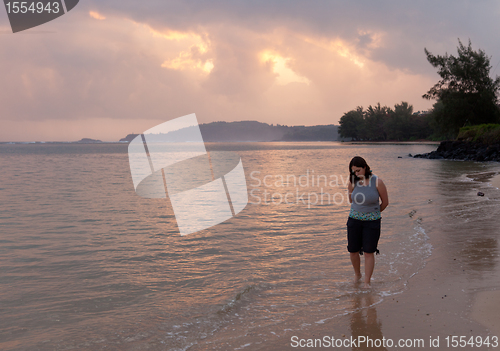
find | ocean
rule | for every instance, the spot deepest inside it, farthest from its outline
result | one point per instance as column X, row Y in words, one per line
column 87, row 264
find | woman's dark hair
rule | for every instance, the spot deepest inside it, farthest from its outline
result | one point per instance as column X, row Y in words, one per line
column 358, row 161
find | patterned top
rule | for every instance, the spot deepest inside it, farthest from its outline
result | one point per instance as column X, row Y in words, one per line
column 365, row 216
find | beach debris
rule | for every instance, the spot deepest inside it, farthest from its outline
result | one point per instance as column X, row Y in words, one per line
column 400, row 156
column 480, row 193
column 412, row 213
column 429, row 201
column 410, row 155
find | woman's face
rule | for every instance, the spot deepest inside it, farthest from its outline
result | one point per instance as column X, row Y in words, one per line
column 358, row 171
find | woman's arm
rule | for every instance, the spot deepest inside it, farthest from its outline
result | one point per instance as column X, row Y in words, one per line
column 382, row 191
column 350, row 187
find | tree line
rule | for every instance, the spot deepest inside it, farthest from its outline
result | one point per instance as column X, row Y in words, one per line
column 379, row 123
column 466, row 95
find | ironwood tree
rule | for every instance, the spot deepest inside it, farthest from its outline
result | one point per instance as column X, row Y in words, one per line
column 465, row 94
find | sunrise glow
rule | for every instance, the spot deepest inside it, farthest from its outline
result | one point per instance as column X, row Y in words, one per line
column 281, row 66
column 96, row 15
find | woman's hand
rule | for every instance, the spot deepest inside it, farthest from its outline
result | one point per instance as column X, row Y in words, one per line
column 382, row 191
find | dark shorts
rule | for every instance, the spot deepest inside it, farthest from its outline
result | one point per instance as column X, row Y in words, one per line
column 362, row 235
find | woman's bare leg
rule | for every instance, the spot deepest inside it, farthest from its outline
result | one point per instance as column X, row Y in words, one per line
column 369, row 266
column 356, row 263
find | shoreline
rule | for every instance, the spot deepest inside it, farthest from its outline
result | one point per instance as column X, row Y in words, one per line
column 464, row 150
column 432, row 308
column 416, row 142
column 440, row 301
column 486, row 307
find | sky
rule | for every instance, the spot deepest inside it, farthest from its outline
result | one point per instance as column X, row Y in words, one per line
column 113, row 67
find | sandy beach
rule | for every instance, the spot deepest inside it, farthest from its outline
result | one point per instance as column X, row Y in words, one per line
column 441, row 304
column 486, row 307
column 495, row 181
column 434, row 306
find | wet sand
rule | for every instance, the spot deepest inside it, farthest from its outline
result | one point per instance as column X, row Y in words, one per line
column 440, row 302
column 486, row 307
column 495, row 181
column 486, row 310
column 435, row 305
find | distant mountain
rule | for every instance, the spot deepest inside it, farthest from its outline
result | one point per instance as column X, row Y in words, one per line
column 313, row 133
column 241, row 131
column 89, row 141
column 256, row 131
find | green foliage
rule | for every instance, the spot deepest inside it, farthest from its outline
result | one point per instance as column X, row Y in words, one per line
column 485, row 133
column 466, row 94
column 374, row 118
column 350, row 124
column 383, row 123
column 398, row 123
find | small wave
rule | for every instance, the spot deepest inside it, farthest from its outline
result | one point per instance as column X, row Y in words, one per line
column 480, row 176
column 230, row 305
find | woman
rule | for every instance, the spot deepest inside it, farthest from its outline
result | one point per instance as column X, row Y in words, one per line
column 363, row 226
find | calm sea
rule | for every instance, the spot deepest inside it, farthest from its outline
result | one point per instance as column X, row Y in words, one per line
column 87, row 264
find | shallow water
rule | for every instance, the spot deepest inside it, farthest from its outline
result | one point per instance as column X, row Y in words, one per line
column 88, row 264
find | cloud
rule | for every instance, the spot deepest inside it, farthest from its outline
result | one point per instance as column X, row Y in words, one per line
column 286, row 62
column 193, row 57
column 96, row 15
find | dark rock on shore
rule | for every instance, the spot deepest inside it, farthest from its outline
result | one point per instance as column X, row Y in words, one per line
column 464, row 150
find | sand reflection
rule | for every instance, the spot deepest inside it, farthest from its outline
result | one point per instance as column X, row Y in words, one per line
column 364, row 321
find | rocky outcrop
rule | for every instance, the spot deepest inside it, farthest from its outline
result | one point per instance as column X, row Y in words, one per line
column 128, row 138
column 464, row 150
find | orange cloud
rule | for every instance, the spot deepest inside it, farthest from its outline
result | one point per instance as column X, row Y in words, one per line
column 191, row 49
column 281, row 67
column 338, row 46
column 96, row 15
